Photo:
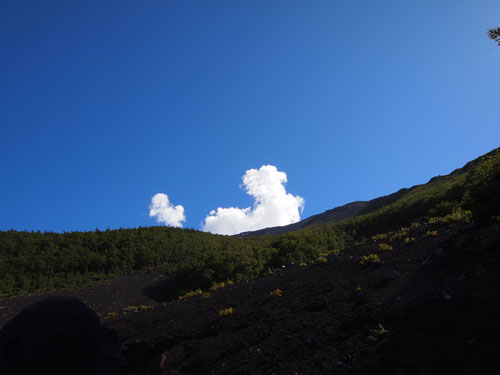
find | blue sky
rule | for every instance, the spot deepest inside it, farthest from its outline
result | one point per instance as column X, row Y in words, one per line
column 106, row 103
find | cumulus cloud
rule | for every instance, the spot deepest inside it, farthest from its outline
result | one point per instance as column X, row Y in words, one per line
column 165, row 212
column 273, row 206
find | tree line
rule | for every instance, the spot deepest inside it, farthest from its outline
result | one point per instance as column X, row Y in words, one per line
column 34, row 261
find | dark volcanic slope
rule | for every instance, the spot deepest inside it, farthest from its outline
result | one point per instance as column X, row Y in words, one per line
column 103, row 297
column 430, row 307
column 331, row 216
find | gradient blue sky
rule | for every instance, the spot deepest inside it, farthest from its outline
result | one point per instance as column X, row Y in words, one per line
column 106, row 103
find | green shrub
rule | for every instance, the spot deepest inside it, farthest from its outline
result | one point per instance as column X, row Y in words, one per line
column 136, row 308
column 277, row 293
column 334, row 252
column 381, row 236
column 227, row 311
column 191, row 293
column 409, row 240
column 271, row 271
column 482, row 192
column 372, row 258
column 221, row 285
column 321, row 260
column 443, row 208
column 456, row 216
column 384, row 246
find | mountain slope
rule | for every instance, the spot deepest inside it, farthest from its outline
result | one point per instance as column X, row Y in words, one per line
column 331, row 216
column 448, row 187
column 429, row 307
column 33, row 262
column 361, row 296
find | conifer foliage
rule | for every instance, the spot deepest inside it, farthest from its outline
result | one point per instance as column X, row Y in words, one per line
column 494, row 35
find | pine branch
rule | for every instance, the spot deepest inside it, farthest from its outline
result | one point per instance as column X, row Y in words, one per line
column 494, row 34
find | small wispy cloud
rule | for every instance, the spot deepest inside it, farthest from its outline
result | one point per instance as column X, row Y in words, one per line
column 165, row 212
column 273, row 206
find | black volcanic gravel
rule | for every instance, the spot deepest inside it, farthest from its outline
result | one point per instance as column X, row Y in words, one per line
column 430, row 307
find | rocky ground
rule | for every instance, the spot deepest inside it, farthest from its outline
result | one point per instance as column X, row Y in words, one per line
column 431, row 306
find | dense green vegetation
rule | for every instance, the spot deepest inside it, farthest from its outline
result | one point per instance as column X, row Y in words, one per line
column 482, row 194
column 32, row 261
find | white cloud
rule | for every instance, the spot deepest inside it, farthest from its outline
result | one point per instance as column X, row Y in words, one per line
column 273, row 206
column 165, row 212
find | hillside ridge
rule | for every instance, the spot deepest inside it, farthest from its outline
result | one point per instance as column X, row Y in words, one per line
column 410, row 287
column 358, row 208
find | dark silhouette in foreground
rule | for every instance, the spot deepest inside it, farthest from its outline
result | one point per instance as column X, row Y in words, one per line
column 58, row 335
